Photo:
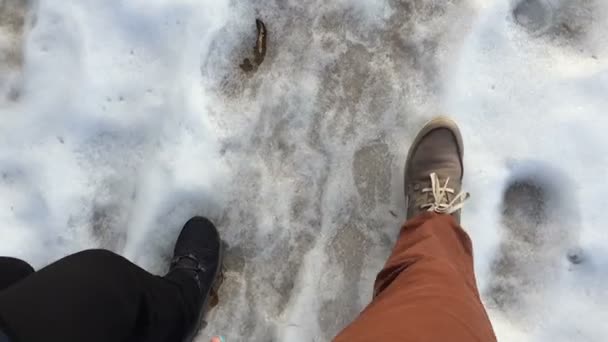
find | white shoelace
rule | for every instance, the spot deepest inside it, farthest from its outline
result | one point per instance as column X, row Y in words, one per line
column 440, row 195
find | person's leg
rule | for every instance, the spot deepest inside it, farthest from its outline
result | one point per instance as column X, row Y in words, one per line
column 12, row 270
column 427, row 290
column 97, row 295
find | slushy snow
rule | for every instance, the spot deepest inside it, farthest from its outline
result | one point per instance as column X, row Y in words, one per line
column 120, row 120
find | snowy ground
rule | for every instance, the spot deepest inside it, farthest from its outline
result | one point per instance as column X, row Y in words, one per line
column 121, row 119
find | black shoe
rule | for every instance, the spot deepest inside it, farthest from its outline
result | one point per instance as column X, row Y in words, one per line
column 199, row 252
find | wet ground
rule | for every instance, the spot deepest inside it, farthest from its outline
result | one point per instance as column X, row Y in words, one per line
column 12, row 26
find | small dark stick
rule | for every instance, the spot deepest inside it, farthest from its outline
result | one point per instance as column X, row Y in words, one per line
column 259, row 51
column 260, row 43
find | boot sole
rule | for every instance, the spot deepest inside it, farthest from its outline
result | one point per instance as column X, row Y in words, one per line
column 211, row 298
column 436, row 123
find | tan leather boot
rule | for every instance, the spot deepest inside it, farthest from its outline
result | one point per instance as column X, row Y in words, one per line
column 434, row 170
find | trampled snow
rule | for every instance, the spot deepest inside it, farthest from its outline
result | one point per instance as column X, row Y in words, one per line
column 121, row 119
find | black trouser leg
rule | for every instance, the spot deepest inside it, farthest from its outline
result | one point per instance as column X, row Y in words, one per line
column 12, row 270
column 95, row 296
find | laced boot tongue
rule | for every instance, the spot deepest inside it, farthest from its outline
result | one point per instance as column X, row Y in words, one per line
column 442, row 199
column 187, row 262
column 190, row 264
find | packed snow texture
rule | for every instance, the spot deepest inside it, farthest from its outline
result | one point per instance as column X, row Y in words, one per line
column 121, row 119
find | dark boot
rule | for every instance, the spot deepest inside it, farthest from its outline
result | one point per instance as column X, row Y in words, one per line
column 199, row 253
column 434, row 170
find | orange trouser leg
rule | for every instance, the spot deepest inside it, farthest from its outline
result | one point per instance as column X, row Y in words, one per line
column 427, row 289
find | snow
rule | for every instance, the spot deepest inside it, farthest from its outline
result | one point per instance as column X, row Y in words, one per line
column 120, row 120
